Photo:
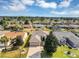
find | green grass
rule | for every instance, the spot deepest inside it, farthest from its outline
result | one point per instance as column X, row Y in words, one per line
column 13, row 54
column 25, row 46
column 60, row 53
column 10, row 54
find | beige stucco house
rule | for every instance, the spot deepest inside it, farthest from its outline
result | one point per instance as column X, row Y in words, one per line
column 12, row 35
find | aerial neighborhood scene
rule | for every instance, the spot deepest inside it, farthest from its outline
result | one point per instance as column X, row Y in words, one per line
column 39, row 29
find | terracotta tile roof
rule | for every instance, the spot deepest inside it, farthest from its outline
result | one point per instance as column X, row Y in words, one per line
column 14, row 34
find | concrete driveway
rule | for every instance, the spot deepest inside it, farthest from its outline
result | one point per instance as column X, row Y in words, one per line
column 34, row 52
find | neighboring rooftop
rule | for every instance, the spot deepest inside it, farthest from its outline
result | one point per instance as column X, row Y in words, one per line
column 69, row 26
column 69, row 35
column 14, row 34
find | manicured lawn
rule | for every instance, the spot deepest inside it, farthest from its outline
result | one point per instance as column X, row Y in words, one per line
column 61, row 53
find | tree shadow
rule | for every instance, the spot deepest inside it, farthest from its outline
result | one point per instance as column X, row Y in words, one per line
column 46, row 55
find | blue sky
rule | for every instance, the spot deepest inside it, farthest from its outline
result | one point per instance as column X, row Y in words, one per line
column 50, row 8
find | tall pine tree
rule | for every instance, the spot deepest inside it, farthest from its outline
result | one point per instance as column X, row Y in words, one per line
column 51, row 43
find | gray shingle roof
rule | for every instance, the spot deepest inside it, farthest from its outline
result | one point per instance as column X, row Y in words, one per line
column 36, row 36
column 69, row 35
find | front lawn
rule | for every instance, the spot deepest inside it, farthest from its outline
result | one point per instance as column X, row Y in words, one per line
column 62, row 53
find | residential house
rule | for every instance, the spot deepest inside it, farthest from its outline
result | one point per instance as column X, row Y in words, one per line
column 36, row 37
column 12, row 35
column 41, row 24
column 38, row 25
column 67, row 38
column 68, row 26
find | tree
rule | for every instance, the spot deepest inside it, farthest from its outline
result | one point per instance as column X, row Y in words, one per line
column 4, row 40
column 17, row 41
column 17, row 27
column 26, row 22
column 4, row 23
column 51, row 43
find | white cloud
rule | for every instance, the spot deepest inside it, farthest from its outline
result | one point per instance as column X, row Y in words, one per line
column 16, row 5
column 44, row 4
column 65, row 3
column 66, row 13
column 27, row 2
column 74, row 12
column 58, row 13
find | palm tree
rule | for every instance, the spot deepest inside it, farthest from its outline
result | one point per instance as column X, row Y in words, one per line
column 4, row 40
